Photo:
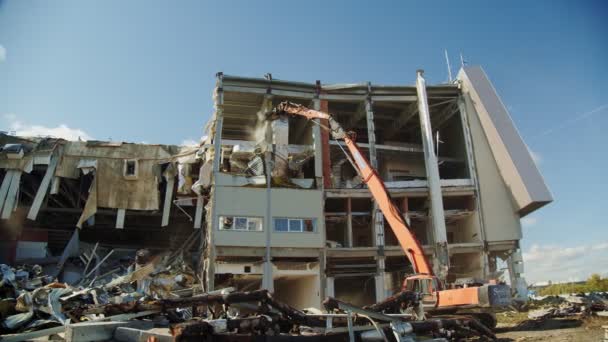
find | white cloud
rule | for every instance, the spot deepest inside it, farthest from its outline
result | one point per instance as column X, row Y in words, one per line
column 189, row 142
column 2, row 53
column 61, row 131
column 193, row 142
column 558, row 264
column 529, row 221
column 600, row 246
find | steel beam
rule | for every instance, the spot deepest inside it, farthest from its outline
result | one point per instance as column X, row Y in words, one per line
column 441, row 255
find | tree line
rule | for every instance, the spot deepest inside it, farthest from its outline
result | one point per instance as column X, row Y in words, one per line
column 595, row 283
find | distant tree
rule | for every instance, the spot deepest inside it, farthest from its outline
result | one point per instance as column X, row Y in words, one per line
column 595, row 283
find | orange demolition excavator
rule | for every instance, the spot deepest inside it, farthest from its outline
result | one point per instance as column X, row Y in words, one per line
column 435, row 297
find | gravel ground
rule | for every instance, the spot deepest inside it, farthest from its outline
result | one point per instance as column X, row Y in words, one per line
column 558, row 329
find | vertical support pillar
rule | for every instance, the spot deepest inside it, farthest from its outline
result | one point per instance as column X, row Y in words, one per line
column 267, row 278
column 380, row 279
column 209, row 262
column 515, row 264
column 170, row 177
column 6, row 184
column 322, row 276
column 10, row 203
column 318, row 144
column 198, row 214
column 371, row 130
column 330, row 290
column 377, row 217
column 349, row 223
column 120, row 218
column 324, row 107
column 441, row 253
column 473, row 175
column 43, row 188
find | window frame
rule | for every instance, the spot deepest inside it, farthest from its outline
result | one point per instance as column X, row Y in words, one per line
column 249, row 220
column 302, row 223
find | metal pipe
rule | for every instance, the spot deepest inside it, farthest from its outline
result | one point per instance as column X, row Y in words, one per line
column 441, row 254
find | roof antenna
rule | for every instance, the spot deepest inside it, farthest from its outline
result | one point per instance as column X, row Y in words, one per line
column 447, row 62
column 463, row 63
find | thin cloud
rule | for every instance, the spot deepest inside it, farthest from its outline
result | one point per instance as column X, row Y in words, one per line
column 2, row 53
column 529, row 221
column 559, row 264
column 189, row 142
column 569, row 122
column 61, row 131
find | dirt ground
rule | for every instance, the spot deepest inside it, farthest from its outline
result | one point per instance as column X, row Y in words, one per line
column 517, row 327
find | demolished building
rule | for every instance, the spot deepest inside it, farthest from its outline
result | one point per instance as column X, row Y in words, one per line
column 278, row 204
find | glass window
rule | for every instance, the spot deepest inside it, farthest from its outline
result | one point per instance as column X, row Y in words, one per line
column 240, row 223
column 254, row 224
column 296, row 225
column 280, row 225
column 309, row 225
column 226, row 222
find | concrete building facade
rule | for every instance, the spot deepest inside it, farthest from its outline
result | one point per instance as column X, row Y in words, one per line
column 277, row 204
column 316, row 231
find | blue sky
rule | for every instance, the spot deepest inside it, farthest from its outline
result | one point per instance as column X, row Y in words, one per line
column 143, row 71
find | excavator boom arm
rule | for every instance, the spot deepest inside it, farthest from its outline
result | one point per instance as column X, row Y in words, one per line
column 368, row 174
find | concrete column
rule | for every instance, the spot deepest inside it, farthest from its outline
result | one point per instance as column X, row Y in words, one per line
column 441, row 254
column 349, row 223
column 317, row 142
column 515, row 265
column 380, row 279
column 324, row 107
column 329, row 287
column 371, row 130
column 267, row 278
column 209, row 261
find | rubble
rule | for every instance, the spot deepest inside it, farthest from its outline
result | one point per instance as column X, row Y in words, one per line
column 557, row 306
column 158, row 296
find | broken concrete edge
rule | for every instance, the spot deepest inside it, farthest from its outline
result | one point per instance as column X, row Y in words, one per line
column 55, row 330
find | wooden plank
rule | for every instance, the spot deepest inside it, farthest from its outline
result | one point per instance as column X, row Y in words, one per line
column 11, row 196
column 42, row 189
column 120, row 218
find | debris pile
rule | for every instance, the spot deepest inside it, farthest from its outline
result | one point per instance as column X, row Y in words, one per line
column 556, row 306
column 105, row 296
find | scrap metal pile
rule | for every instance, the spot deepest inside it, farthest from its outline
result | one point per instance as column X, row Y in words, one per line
column 159, row 298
